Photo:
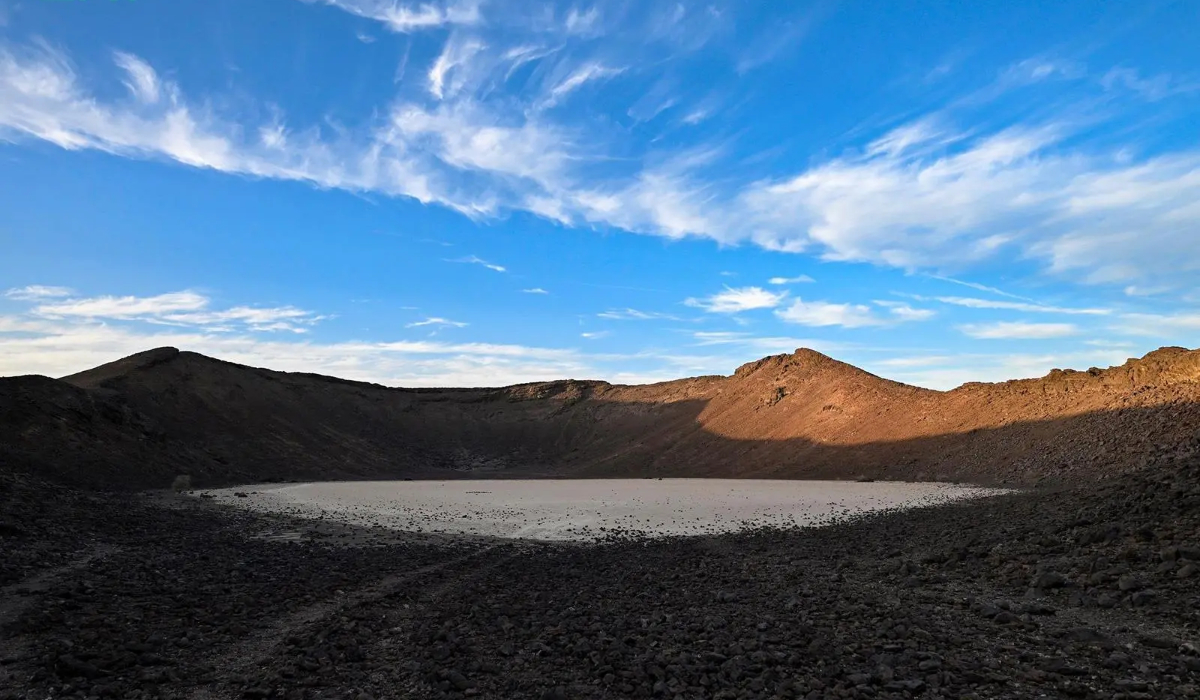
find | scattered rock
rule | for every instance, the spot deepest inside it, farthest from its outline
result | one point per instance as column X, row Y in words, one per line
column 1049, row 579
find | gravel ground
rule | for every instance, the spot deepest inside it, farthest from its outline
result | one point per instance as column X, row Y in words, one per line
column 1089, row 593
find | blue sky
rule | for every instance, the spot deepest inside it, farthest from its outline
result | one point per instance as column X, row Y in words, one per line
column 482, row 193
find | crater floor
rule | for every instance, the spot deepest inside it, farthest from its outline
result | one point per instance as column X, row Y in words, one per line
column 590, row 509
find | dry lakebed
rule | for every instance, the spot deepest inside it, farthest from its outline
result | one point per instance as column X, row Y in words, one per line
column 589, row 509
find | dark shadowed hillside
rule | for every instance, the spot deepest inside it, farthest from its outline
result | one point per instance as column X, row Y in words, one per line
column 141, row 420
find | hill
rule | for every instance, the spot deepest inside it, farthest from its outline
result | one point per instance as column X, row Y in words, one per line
column 139, row 421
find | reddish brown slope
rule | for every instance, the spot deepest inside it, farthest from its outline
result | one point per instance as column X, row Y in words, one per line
column 807, row 414
column 143, row 419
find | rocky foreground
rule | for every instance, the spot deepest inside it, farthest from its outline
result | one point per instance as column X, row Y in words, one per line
column 1088, row 593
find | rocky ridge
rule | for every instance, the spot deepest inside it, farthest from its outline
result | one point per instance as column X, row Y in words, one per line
column 140, row 421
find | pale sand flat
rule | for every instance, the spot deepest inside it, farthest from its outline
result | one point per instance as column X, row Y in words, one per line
column 589, row 509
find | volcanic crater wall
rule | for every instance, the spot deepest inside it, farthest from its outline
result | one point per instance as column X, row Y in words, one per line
column 141, row 420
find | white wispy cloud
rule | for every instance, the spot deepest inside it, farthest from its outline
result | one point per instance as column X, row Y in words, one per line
column 1017, row 190
column 1040, row 68
column 1153, row 88
column 594, row 335
column 520, row 155
column 635, row 315
column 1018, row 330
column 126, row 307
column 917, row 361
column 36, row 292
column 1161, row 325
column 436, row 321
column 732, row 301
column 1134, row 290
column 40, row 97
column 457, row 52
column 582, row 21
column 901, row 210
column 142, row 81
column 922, row 136
column 824, row 313
column 778, row 38
column 980, row 287
column 926, row 195
column 974, row 303
column 586, row 73
column 905, row 312
column 791, row 280
column 718, row 337
column 535, row 290
column 476, row 260
column 405, row 18
column 183, row 308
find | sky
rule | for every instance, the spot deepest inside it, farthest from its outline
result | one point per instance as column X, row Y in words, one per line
column 485, row 192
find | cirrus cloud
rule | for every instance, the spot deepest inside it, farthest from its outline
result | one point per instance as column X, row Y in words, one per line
column 732, row 301
column 825, row 313
column 926, row 195
column 35, row 292
column 1018, row 330
column 183, row 308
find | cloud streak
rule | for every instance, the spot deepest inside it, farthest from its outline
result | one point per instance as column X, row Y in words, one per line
column 824, row 313
column 790, row 280
column 589, row 72
column 35, row 292
column 405, row 18
column 438, row 322
column 1018, row 330
column 974, row 303
column 733, row 301
column 1162, row 325
column 924, row 196
column 184, row 308
column 635, row 315
column 476, row 260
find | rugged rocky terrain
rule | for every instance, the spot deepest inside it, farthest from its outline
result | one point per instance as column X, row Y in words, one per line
column 1091, row 593
column 1087, row 586
column 140, row 421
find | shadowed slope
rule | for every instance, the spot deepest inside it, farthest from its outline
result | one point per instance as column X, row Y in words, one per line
column 142, row 419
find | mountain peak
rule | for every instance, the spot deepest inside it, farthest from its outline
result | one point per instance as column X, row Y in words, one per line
column 803, row 360
column 98, row 376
